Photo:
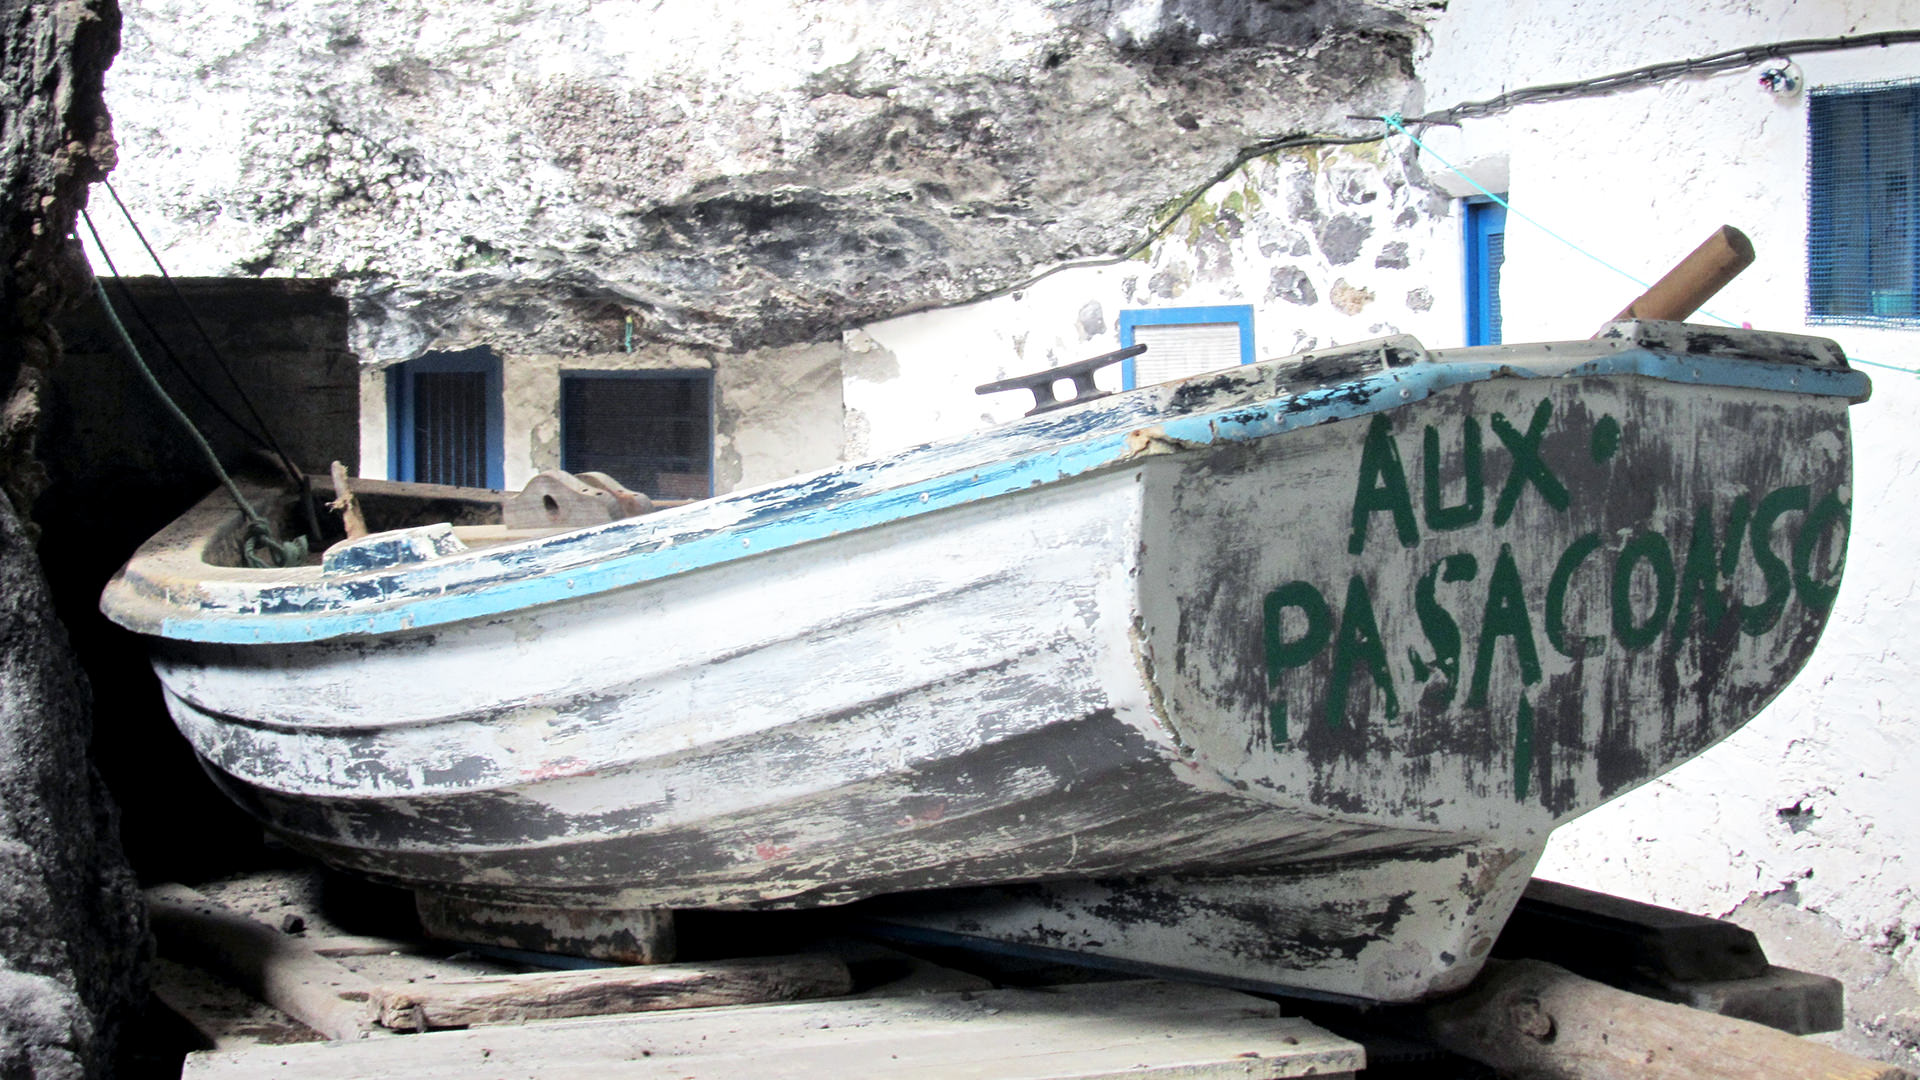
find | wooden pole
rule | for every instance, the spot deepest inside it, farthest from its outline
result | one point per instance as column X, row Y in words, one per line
column 1697, row 277
column 345, row 502
column 1531, row 1019
column 548, row 995
column 273, row 967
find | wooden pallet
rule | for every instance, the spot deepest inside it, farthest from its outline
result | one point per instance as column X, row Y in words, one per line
column 350, row 1005
column 346, row 1005
column 1132, row 1029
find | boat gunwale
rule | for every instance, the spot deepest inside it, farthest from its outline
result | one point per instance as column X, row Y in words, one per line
column 168, row 588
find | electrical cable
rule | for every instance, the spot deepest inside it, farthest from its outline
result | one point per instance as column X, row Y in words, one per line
column 1614, row 82
column 1711, row 64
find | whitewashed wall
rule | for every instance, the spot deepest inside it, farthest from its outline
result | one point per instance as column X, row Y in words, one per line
column 1803, row 825
column 1329, row 246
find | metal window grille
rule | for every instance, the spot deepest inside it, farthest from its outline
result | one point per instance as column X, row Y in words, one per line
column 445, row 419
column 1863, row 195
column 450, row 428
column 651, row 432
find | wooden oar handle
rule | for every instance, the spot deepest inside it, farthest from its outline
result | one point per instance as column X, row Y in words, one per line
column 1694, row 281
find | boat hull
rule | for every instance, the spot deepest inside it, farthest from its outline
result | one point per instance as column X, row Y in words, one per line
column 1328, row 617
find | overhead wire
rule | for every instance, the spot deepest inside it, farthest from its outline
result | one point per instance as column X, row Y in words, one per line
column 184, row 370
column 1595, row 86
column 259, row 547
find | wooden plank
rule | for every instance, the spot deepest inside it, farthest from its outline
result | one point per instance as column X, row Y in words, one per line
column 1532, row 1019
column 336, row 945
column 550, row 995
column 1796, row 1002
column 1616, row 940
column 260, row 960
column 224, row 1017
column 628, row 936
column 1131, row 1029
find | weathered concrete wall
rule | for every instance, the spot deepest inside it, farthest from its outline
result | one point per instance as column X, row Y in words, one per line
column 1801, row 825
column 71, row 928
column 284, row 340
column 526, row 175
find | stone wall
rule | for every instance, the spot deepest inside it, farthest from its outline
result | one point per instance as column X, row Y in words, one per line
column 1329, row 245
column 1801, row 825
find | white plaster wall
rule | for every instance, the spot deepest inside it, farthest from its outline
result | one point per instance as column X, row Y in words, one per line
column 1801, row 824
column 1253, row 238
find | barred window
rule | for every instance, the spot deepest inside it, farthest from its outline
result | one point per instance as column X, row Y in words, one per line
column 652, row 431
column 445, row 421
column 1863, row 179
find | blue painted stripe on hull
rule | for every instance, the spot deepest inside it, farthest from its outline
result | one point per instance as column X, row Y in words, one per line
column 387, row 605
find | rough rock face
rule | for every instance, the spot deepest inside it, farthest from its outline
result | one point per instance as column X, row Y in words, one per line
column 54, row 140
column 70, row 920
column 528, row 174
column 72, row 928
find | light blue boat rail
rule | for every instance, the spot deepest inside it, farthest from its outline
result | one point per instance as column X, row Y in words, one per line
column 169, row 591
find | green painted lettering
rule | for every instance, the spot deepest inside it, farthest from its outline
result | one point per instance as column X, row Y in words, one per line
column 1443, row 633
column 1652, row 549
column 1737, row 520
column 1828, row 512
column 1522, row 750
column 1282, row 654
column 1358, row 642
column 1700, row 581
column 1759, row 618
column 1563, row 571
column 1527, row 465
column 1605, row 441
column 1382, row 486
column 1505, row 616
column 1440, row 517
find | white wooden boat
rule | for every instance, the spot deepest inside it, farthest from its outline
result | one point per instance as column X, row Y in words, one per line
column 1299, row 662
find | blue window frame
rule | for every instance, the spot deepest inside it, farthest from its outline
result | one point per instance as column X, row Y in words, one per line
column 650, row 430
column 444, row 419
column 1863, row 198
column 1203, row 319
column 1486, row 246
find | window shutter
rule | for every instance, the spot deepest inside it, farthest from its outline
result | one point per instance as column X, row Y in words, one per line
column 1179, row 350
column 1863, row 152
